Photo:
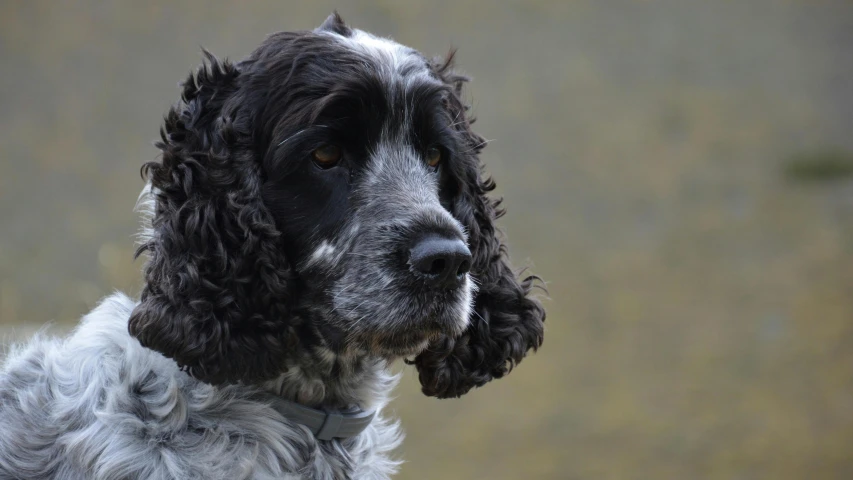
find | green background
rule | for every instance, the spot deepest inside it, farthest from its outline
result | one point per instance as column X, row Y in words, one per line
column 678, row 172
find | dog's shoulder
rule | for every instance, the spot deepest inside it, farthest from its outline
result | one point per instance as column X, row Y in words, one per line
column 96, row 404
column 60, row 396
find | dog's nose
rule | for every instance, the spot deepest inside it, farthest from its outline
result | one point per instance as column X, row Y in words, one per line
column 441, row 262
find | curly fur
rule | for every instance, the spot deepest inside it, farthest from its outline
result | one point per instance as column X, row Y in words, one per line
column 214, row 258
column 98, row 405
column 268, row 273
column 508, row 322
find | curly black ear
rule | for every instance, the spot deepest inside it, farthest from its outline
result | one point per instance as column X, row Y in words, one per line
column 507, row 322
column 216, row 291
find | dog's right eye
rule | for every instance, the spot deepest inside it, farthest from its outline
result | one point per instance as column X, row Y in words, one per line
column 433, row 157
column 327, row 156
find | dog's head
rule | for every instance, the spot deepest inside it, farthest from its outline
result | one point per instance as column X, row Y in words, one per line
column 327, row 190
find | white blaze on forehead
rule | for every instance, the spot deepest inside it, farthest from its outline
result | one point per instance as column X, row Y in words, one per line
column 380, row 46
column 389, row 54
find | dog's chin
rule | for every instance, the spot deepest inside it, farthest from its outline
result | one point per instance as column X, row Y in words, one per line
column 394, row 332
column 404, row 345
column 416, row 336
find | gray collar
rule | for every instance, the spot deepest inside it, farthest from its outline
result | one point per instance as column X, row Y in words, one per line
column 324, row 425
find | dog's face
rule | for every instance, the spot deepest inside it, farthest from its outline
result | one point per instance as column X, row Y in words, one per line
column 326, row 190
column 361, row 168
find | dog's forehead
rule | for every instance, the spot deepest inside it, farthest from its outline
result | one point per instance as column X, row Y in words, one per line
column 394, row 58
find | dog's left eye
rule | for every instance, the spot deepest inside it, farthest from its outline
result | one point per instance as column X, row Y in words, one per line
column 433, row 157
column 327, row 156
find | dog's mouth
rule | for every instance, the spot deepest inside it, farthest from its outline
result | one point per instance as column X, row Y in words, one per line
column 414, row 338
column 405, row 343
column 387, row 311
column 411, row 337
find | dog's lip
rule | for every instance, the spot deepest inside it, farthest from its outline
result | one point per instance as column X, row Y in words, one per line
column 413, row 334
column 409, row 343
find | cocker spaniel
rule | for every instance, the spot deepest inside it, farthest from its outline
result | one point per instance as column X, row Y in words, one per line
column 318, row 212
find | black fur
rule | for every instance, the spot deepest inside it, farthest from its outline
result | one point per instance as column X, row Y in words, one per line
column 507, row 321
column 217, row 285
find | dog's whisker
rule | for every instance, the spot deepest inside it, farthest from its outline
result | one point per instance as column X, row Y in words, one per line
column 337, row 295
column 477, row 146
column 456, row 120
column 300, row 132
column 358, row 306
column 479, row 316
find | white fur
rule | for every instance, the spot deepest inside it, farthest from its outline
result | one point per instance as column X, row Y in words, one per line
column 325, row 253
column 98, row 405
column 391, row 56
column 145, row 208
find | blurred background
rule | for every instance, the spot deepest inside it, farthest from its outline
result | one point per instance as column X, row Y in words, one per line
column 680, row 172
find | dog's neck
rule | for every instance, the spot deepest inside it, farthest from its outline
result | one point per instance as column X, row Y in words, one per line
column 318, row 378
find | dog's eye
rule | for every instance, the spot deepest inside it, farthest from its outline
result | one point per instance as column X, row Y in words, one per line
column 327, row 156
column 433, row 157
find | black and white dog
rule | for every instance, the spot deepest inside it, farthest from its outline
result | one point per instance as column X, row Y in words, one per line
column 319, row 212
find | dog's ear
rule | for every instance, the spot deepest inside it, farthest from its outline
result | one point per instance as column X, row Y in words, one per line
column 335, row 24
column 506, row 321
column 216, row 291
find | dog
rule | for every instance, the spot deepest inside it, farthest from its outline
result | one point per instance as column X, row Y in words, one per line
column 318, row 212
